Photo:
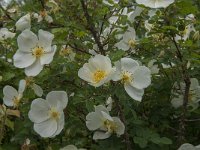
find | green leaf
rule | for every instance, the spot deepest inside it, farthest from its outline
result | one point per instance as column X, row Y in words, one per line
column 166, row 141
column 9, row 124
column 8, row 75
column 140, row 141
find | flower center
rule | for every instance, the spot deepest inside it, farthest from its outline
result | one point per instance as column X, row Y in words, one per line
column 54, row 114
column 126, row 77
column 16, row 101
column 110, row 126
column 38, row 51
column 99, row 75
column 43, row 13
column 132, row 43
column 191, row 95
column 65, row 51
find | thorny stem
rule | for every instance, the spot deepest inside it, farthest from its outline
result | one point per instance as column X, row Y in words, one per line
column 91, row 27
column 186, row 79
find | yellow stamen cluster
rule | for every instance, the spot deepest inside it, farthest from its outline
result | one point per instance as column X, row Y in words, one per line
column 191, row 95
column 54, row 114
column 126, row 77
column 16, row 101
column 132, row 43
column 66, row 51
column 110, row 126
column 43, row 13
column 99, row 75
column 38, row 51
column 159, row 37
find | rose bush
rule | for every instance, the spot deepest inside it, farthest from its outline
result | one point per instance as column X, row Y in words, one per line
column 99, row 74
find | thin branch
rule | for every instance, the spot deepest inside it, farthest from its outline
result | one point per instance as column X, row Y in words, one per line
column 192, row 120
column 187, row 81
column 91, row 27
column 79, row 50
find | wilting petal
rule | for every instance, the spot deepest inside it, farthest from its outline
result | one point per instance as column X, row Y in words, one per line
column 37, row 89
column 22, row 86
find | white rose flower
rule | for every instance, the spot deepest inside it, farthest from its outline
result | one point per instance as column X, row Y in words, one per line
column 12, row 97
column 154, row 68
column 115, row 16
column 148, row 26
column 5, row 34
column 67, row 52
column 188, row 146
column 167, row 66
column 34, row 52
column 110, row 2
column 97, row 71
column 134, row 77
column 71, row 147
column 190, row 17
column 137, row 11
column 128, row 40
column 37, row 89
column 23, row 23
column 53, row 6
column 48, row 115
column 29, row 82
column 186, row 33
column 105, row 124
column 155, row 3
column 43, row 16
column 194, row 94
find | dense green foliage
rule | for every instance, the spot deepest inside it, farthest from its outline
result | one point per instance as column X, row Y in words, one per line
column 153, row 123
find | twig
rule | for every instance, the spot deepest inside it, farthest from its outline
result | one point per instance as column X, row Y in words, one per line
column 91, row 27
column 192, row 120
column 186, row 79
column 78, row 49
